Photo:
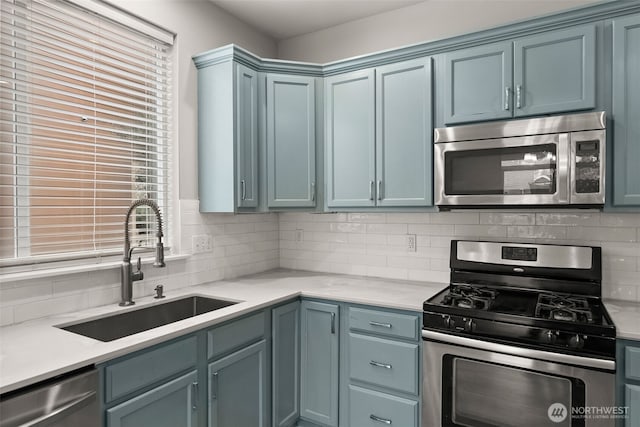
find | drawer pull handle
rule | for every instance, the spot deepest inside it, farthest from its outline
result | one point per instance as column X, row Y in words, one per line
column 194, row 396
column 380, row 420
column 380, row 365
column 382, row 325
column 214, row 386
column 333, row 323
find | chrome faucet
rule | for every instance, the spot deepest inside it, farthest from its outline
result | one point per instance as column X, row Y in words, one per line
column 127, row 275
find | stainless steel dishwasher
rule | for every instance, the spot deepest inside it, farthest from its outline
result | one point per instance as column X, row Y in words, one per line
column 67, row 401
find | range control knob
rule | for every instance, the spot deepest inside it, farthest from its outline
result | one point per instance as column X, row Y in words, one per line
column 469, row 325
column 448, row 322
column 550, row 336
column 576, row 341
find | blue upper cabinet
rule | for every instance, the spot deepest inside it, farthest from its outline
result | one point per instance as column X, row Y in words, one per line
column 379, row 142
column 291, row 141
column 350, row 135
column 478, row 83
column 227, row 136
column 542, row 74
column 555, row 72
column 247, row 136
column 626, row 111
column 403, row 134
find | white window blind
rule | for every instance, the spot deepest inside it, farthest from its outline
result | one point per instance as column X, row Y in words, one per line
column 85, row 126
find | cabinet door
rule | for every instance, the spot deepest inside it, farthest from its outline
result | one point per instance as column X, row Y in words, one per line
column 291, row 160
column 169, row 405
column 350, row 133
column 319, row 368
column 237, row 389
column 247, row 136
column 632, row 400
column 626, row 111
column 478, row 83
column 285, row 364
column 403, row 134
column 555, row 72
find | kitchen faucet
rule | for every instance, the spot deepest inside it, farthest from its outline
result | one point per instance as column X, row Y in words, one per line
column 127, row 275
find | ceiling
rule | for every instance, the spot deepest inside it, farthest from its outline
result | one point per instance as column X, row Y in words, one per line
column 281, row 19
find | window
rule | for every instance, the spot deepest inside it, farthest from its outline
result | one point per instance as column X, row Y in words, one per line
column 85, row 125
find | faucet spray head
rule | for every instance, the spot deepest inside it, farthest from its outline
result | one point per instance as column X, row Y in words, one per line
column 159, row 262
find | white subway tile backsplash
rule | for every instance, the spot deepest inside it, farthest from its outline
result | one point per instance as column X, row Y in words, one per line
column 537, row 232
column 431, row 229
column 368, row 244
column 455, row 218
column 610, row 234
column 590, row 219
column 479, row 231
column 384, row 238
column 495, row 218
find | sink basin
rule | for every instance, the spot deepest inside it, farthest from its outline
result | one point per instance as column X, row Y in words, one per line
column 131, row 322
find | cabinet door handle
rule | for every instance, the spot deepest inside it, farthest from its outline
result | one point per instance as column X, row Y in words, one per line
column 382, row 325
column 371, row 184
column 243, row 185
column 194, row 396
column 214, row 386
column 507, row 95
column 313, row 191
column 379, row 190
column 380, row 420
column 380, row 364
column 333, row 323
column 519, row 96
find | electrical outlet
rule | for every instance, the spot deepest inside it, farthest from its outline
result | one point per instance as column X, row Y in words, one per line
column 411, row 242
column 201, row 243
column 299, row 235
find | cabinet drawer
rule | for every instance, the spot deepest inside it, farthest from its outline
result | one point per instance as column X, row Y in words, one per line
column 632, row 363
column 384, row 323
column 383, row 362
column 223, row 339
column 137, row 372
column 369, row 408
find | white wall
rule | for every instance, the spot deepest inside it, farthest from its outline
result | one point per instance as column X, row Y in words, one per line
column 374, row 244
column 426, row 21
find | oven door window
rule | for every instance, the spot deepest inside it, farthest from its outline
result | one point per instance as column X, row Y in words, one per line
column 482, row 394
column 517, row 170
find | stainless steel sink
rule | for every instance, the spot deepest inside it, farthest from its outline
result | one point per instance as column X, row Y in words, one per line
column 131, row 322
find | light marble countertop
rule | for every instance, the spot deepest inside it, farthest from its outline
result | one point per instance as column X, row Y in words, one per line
column 37, row 350
column 626, row 317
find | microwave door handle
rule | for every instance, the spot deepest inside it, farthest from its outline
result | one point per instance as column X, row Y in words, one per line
column 564, row 170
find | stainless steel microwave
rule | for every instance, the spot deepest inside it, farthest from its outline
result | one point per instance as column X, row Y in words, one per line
column 556, row 161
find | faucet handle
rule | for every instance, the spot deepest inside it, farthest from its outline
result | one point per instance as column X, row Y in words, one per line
column 159, row 290
column 139, row 264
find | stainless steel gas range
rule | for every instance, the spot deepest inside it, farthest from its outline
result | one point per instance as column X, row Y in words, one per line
column 519, row 338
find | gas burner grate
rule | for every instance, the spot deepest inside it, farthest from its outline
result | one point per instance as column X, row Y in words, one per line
column 565, row 308
column 472, row 297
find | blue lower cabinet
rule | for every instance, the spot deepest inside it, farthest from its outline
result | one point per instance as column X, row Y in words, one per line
column 319, row 363
column 285, row 365
column 173, row 404
column 238, row 389
column 628, row 381
column 369, row 408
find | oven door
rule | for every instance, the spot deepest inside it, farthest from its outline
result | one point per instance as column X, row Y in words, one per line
column 475, row 383
column 530, row 170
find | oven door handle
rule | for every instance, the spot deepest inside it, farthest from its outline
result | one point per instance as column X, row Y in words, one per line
column 569, row 359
